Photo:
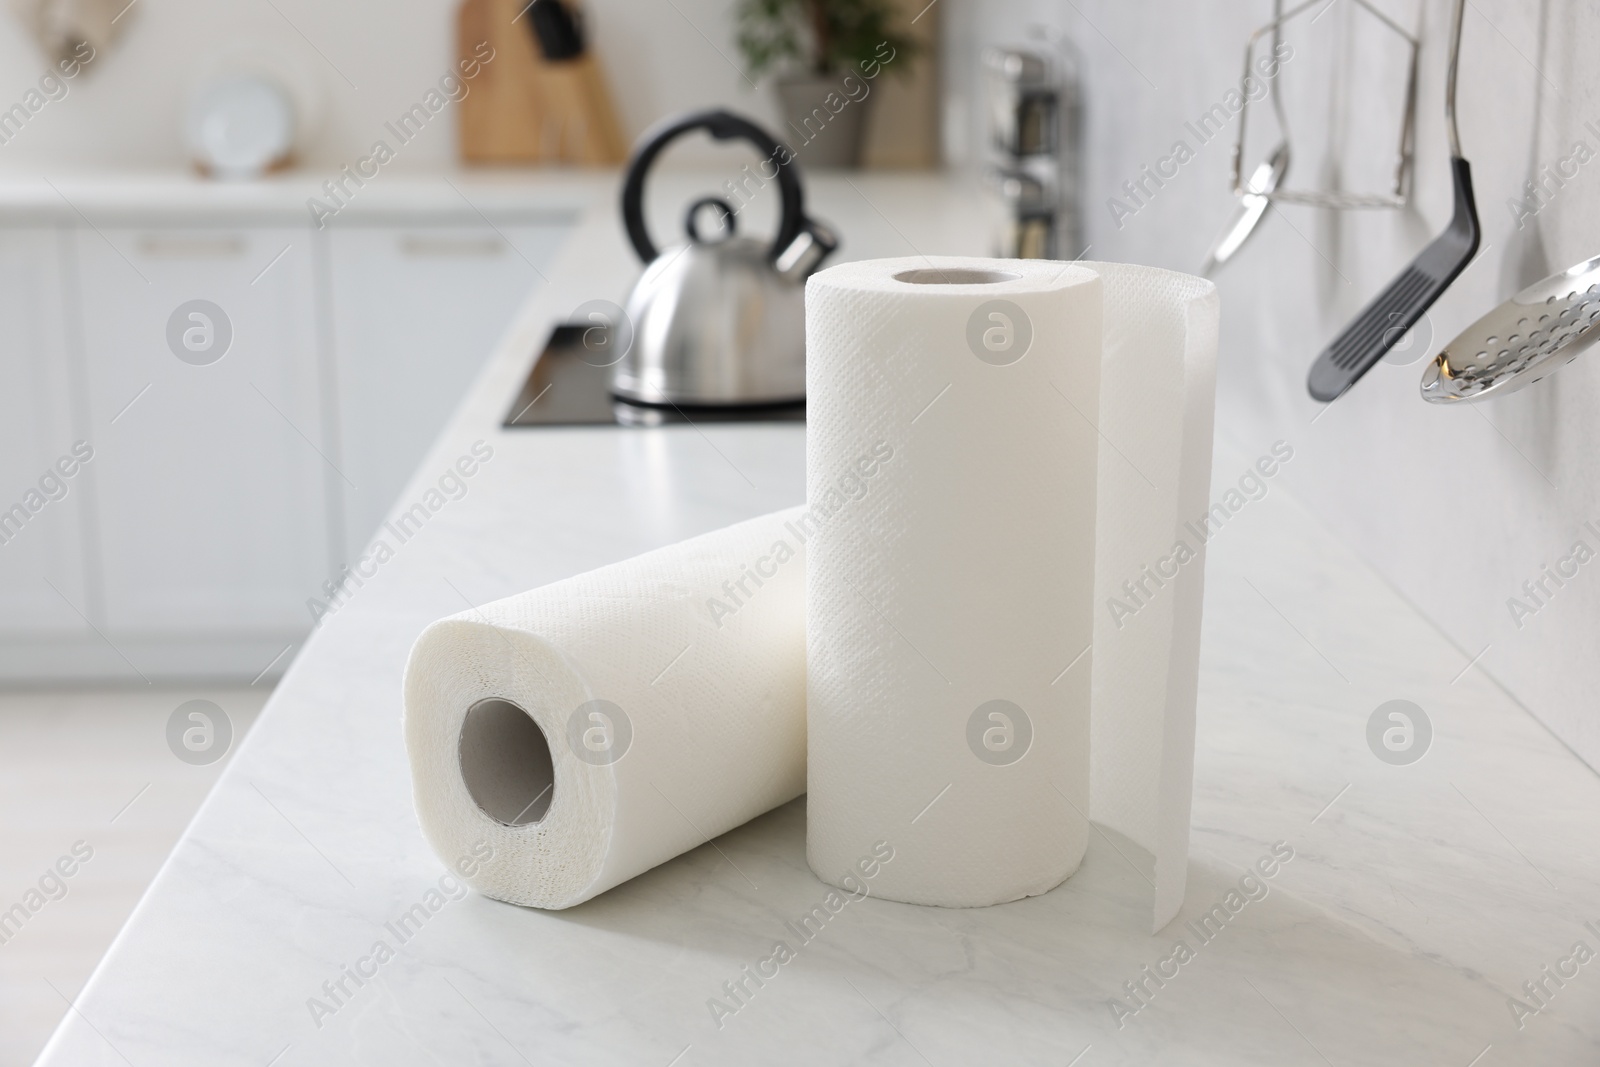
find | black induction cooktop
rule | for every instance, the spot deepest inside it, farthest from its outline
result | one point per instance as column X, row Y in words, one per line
column 570, row 385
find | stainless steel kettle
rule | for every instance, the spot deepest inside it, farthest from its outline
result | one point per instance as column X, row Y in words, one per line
column 719, row 322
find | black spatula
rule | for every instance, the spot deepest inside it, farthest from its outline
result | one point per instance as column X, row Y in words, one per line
column 1395, row 310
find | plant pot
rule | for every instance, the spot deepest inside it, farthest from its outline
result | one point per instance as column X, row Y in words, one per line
column 819, row 135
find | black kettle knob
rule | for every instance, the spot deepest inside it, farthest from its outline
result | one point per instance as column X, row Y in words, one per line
column 723, row 125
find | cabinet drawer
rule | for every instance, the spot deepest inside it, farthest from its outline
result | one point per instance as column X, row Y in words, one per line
column 43, row 584
column 204, row 396
column 417, row 310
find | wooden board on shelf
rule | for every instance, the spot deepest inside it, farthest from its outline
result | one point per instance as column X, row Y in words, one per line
column 524, row 109
column 903, row 123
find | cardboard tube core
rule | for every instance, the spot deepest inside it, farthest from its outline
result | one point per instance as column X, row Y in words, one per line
column 955, row 276
column 505, row 762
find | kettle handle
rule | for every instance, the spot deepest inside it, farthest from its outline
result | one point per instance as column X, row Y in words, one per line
column 723, row 125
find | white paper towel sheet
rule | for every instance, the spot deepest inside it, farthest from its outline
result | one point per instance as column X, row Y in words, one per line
column 1157, row 399
column 669, row 695
column 957, row 613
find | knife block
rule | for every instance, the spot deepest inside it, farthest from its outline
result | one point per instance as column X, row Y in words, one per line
column 525, row 109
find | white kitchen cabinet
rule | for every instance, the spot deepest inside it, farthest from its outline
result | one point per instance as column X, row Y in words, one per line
column 417, row 310
column 213, row 490
column 224, row 493
column 43, row 580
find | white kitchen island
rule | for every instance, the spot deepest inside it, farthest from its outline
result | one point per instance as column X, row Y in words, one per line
column 1415, row 900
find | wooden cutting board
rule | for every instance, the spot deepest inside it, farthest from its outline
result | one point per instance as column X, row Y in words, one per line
column 523, row 109
column 903, row 122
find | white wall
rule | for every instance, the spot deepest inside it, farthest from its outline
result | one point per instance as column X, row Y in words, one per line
column 1457, row 507
column 368, row 61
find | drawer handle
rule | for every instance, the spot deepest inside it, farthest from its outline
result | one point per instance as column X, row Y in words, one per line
column 186, row 246
column 451, row 246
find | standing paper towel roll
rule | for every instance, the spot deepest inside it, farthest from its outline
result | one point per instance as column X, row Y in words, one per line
column 952, row 618
column 569, row 738
column 943, row 608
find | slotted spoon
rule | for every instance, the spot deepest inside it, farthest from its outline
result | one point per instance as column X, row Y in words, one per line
column 1535, row 333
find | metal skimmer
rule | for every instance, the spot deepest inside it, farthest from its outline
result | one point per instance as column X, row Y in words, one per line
column 1535, row 333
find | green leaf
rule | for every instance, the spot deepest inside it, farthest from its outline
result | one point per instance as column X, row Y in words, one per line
column 819, row 36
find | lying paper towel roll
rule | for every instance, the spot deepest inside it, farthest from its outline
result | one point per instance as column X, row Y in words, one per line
column 582, row 733
column 953, row 610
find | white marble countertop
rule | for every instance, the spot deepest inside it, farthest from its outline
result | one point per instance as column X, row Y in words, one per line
column 183, row 197
column 1418, row 900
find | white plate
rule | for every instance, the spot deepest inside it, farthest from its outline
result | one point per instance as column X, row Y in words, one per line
column 240, row 125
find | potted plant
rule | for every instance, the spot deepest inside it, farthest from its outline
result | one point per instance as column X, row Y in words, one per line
column 825, row 54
